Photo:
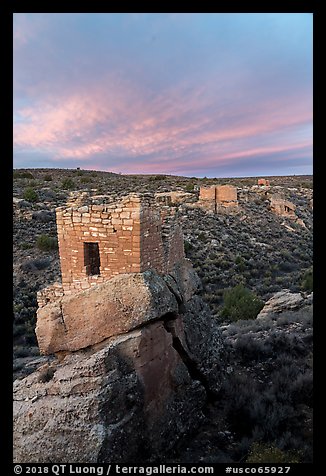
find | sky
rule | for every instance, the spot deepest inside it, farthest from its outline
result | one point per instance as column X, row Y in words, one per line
column 193, row 94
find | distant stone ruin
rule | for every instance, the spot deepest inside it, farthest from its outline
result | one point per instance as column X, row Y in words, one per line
column 76, row 198
column 263, row 182
column 282, row 207
column 286, row 209
column 212, row 198
column 218, row 198
column 174, row 197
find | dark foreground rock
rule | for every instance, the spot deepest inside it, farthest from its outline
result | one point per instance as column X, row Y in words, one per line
column 133, row 397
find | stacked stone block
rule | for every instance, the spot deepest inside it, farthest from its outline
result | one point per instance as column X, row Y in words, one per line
column 151, row 244
column 218, row 197
column 263, row 182
column 116, row 229
column 226, row 195
column 173, row 243
column 129, row 239
column 207, row 198
column 48, row 294
column 169, row 198
column 282, row 207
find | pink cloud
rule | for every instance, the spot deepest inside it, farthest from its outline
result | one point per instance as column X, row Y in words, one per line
column 206, row 159
column 118, row 119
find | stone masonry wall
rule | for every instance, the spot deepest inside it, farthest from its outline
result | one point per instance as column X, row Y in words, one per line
column 207, row 193
column 173, row 244
column 207, row 198
column 216, row 197
column 161, row 243
column 151, row 244
column 173, row 197
column 264, row 182
column 226, row 193
column 48, row 294
column 116, row 229
column 282, row 207
column 129, row 239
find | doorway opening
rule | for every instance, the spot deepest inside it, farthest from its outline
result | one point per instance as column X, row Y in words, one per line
column 92, row 259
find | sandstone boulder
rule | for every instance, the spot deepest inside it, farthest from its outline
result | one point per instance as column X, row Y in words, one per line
column 114, row 307
column 204, row 343
column 186, row 279
column 133, row 397
column 281, row 301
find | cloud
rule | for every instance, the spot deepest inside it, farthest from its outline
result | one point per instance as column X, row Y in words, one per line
column 122, row 122
column 160, row 92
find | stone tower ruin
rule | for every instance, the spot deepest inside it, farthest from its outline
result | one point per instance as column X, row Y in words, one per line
column 97, row 242
column 263, row 182
column 218, row 198
column 282, row 207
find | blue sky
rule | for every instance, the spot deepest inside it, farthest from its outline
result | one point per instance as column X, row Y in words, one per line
column 211, row 95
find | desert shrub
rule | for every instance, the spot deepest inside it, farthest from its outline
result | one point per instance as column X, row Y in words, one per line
column 34, row 264
column 201, row 237
column 85, row 179
column 30, row 195
column 30, row 339
column 266, row 453
column 67, row 184
column 17, row 366
column 17, row 174
column 44, row 216
column 240, row 262
column 306, row 185
column 283, row 342
column 22, row 352
column 265, row 410
column 302, row 390
column 285, row 254
column 47, row 178
column 49, row 195
column 287, row 266
column 242, row 403
column 46, row 374
column 189, row 187
column 241, row 303
column 25, row 313
column 18, row 330
column 158, row 177
column 42, row 263
column 307, row 281
column 269, row 411
column 187, row 246
column 249, row 348
column 46, row 243
column 25, row 245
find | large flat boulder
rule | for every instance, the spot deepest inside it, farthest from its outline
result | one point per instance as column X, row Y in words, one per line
column 281, row 301
column 88, row 317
